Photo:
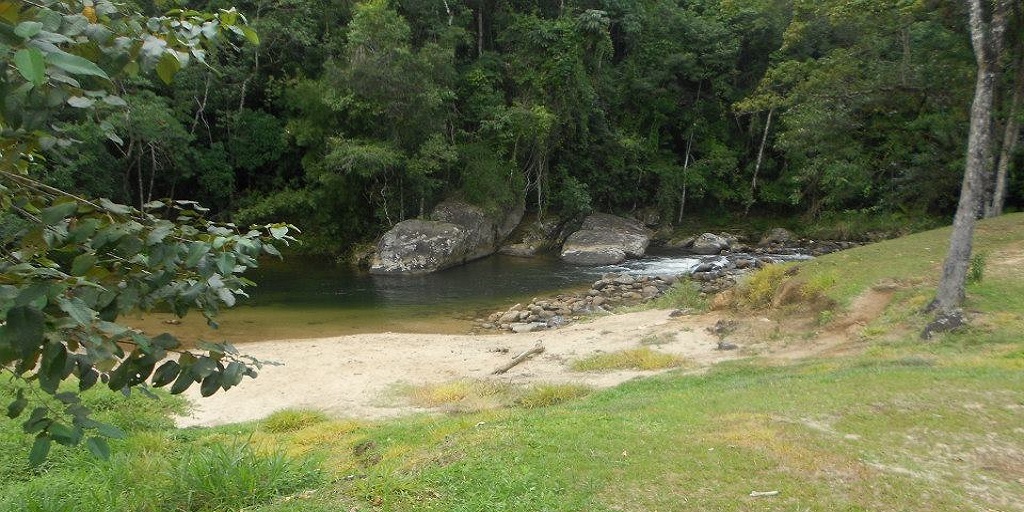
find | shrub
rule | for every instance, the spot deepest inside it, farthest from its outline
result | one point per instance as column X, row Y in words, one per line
column 760, row 288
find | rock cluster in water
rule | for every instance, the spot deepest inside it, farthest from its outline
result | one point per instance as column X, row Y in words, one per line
column 713, row 274
column 610, row 291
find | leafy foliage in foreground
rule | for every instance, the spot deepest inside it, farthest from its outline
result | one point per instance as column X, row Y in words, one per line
column 70, row 265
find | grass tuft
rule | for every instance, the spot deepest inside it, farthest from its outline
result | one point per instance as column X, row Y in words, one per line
column 643, row 358
column 460, row 396
column 759, row 290
column 546, row 395
column 684, row 294
column 236, row 476
column 293, row 420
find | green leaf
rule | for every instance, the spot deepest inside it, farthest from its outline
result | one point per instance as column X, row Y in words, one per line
column 210, row 384
column 233, row 374
column 107, row 430
column 115, row 101
column 113, row 207
column 64, row 434
column 166, row 373
column 27, row 29
column 226, row 263
column 15, row 408
column 203, row 367
column 228, row 17
column 278, row 232
column 51, row 368
column 40, row 449
column 81, row 102
column 226, row 297
column 57, row 213
column 183, row 382
column 29, row 62
column 271, row 250
column 78, row 311
column 88, row 380
column 196, row 251
column 75, row 65
column 25, row 329
column 37, row 421
column 119, row 377
column 82, row 264
column 98, row 447
column 167, row 66
column 250, row 35
column 165, row 341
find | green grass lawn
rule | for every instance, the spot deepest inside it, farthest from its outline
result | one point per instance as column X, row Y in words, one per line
column 900, row 424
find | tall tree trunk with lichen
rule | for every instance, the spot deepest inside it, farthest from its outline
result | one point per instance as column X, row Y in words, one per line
column 986, row 39
column 1010, row 135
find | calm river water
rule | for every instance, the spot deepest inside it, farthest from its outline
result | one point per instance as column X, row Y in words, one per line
column 304, row 297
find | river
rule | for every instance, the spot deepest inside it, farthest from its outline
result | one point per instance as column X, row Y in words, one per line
column 306, row 297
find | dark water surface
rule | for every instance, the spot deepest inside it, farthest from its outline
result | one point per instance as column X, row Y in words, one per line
column 305, row 297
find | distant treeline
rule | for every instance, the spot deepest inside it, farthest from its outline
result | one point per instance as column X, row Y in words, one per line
column 352, row 116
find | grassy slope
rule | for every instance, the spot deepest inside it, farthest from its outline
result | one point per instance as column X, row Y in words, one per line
column 900, row 425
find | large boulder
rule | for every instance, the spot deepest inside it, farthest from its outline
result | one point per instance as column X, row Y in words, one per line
column 709, row 243
column 457, row 233
column 606, row 240
column 532, row 238
column 777, row 236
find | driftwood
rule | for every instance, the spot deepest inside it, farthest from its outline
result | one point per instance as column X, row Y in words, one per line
column 518, row 359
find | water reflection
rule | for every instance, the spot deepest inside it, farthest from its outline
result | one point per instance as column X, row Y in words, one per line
column 306, row 282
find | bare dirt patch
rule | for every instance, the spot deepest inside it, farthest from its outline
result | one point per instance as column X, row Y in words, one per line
column 353, row 376
column 1005, row 263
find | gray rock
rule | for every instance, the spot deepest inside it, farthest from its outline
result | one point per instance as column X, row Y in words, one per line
column 418, row 247
column 606, row 240
column 520, row 328
column 777, row 236
column 709, row 243
column 457, row 233
column 534, row 238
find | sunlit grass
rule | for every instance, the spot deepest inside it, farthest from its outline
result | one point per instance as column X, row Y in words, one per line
column 642, row 358
column 898, row 425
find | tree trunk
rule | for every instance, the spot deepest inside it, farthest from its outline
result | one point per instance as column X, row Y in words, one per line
column 686, row 166
column 448, row 9
column 986, row 42
column 760, row 157
column 686, row 158
column 480, row 31
column 1010, row 135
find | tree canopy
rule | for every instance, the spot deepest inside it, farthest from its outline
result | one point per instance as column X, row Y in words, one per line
column 352, row 116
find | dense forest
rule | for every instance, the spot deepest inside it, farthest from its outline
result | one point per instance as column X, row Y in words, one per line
column 349, row 117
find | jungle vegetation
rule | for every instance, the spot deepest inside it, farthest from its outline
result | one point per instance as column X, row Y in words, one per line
column 349, row 117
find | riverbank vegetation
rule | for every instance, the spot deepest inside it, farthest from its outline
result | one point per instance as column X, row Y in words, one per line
column 349, row 117
column 868, row 418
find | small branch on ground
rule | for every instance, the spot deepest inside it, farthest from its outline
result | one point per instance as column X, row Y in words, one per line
column 520, row 358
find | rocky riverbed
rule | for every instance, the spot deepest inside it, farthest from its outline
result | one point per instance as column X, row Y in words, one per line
column 713, row 274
